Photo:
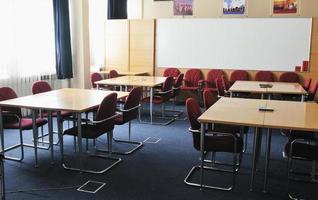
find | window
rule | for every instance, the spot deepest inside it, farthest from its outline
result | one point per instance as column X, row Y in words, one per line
column 27, row 46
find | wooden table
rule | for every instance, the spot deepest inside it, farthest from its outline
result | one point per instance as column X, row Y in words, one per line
column 245, row 112
column 143, row 81
column 124, row 73
column 276, row 88
column 68, row 99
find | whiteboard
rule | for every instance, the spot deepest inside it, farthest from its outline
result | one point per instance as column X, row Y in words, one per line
column 276, row 44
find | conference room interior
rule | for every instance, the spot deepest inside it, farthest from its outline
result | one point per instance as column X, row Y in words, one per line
column 128, row 99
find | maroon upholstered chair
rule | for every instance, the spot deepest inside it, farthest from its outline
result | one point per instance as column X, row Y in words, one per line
column 40, row 87
column 220, row 87
column 209, row 83
column 128, row 113
column 239, row 75
column 113, row 74
column 174, row 72
column 177, row 86
column 209, row 98
column 289, row 77
column 103, row 123
column 213, row 142
column 191, row 80
column 13, row 119
column 307, row 83
column 163, row 96
column 301, row 149
column 312, row 91
column 266, row 76
column 95, row 77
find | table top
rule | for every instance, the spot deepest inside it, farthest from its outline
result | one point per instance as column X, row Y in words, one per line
column 235, row 111
column 292, row 115
column 277, row 87
column 145, row 81
column 67, row 99
column 124, row 73
column 245, row 112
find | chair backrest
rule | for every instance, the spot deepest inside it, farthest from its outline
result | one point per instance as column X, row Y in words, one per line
column 289, row 77
column 267, row 76
column 194, row 112
column 174, row 72
column 192, row 77
column 312, row 91
column 95, row 77
column 209, row 98
column 106, row 109
column 239, row 75
column 178, row 81
column 167, row 86
column 7, row 93
column 132, row 101
column 40, row 87
column 220, row 86
column 113, row 74
column 307, row 83
column 212, row 75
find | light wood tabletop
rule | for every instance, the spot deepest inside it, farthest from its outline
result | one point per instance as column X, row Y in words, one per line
column 125, row 73
column 248, row 86
column 145, row 81
column 292, row 115
column 68, row 99
column 235, row 111
column 286, row 88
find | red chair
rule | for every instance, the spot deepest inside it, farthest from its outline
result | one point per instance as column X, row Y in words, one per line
column 44, row 86
column 266, row 76
column 104, row 123
column 307, row 83
column 239, row 75
column 191, row 80
column 312, row 91
column 95, row 77
column 161, row 97
column 13, row 119
column 127, row 114
column 113, row 74
column 289, row 77
column 209, row 83
column 220, row 87
column 214, row 142
column 209, row 98
column 174, row 72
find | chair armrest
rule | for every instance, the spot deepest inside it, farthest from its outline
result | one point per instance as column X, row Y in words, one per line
column 92, row 122
column 194, row 131
column 161, row 92
column 128, row 110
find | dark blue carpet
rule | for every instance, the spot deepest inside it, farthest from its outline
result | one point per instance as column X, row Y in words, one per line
column 156, row 171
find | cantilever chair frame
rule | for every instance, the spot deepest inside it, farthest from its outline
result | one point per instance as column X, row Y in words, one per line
column 109, row 148
column 203, row 168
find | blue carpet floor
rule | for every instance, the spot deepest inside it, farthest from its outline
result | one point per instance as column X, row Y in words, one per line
column 156, row 171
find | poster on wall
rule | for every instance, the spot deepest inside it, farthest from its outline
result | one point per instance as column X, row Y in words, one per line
column 234, row 7
column 285, row 6
column 183, row 7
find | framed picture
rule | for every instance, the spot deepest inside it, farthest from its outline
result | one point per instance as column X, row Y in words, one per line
column 283, row 7
column 183, row 7
column 234, row 7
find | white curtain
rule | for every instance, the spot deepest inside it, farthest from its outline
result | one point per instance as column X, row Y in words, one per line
column 27, row 48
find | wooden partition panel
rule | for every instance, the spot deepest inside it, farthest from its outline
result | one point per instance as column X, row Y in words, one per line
column 117, row 45
column 142, row 45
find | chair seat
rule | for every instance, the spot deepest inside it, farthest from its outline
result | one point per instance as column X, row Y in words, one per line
column 155, row 100
column 88, row 131
column 188, row 88
column 54, row 114
column 303, row 150
column 222, row 144
column 26, row 124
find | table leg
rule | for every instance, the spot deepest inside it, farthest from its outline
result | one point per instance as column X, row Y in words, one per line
column 50, row 126
column 97, row 86
column 79, row 132
column 231, row 94
column 262, row 96
column 35, row 138
column 60, row 134
column 1, row 131
column 151, row 99
column 267, row 157
column 302, row 98
column 202, row 154
column 255, row 147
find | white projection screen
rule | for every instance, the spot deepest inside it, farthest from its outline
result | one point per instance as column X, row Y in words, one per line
column 276, row 44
